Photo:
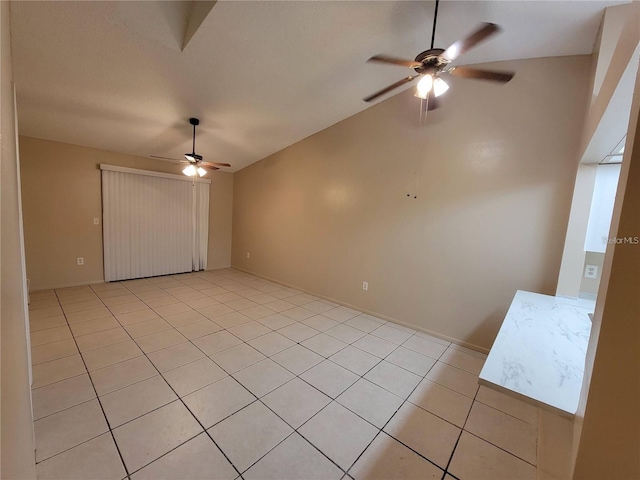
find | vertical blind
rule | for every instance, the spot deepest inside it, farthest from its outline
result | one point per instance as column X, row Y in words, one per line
column 153, row 223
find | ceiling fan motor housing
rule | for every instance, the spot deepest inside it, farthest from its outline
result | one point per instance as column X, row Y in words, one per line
column 431, row 61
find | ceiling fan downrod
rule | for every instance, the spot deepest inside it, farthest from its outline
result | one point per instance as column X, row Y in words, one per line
column 194, row 122
column 435, row 19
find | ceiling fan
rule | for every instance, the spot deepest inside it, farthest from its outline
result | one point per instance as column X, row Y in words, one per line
column 431, row 64
column 196, row 165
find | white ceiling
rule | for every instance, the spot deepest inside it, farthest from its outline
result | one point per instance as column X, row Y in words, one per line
column 259, row 75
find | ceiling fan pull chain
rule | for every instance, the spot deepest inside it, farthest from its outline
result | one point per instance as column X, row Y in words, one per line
column 423, row 119
column 424, row 110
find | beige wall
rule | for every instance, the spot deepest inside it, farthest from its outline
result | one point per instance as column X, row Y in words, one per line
column 607, row 433
column 220, row 217
column 573, row 254
column 17, row 458
column 61, row 197
column 496, row 172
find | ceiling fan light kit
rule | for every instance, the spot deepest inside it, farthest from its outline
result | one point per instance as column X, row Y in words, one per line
column 189, row 171
column 424, row 87
column 429, row 84
column 192, row 171
column 439, row 87
column 431, row 64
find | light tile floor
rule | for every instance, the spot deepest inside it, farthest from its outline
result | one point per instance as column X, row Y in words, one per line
column 223, row 375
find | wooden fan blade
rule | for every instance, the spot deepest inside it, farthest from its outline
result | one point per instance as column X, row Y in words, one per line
column 389, row 88
column 468, row 72
column 215, row 164
column 461, row 46
column 394, row 61
column 209, row 167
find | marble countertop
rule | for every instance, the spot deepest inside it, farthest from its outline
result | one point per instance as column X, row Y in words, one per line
column 539, row 353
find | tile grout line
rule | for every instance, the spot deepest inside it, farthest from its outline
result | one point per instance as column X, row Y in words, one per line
column 296, row 430
column 503, row 412
column 88, row 373
column 208, row 355
column 253, row 320
column 379, row 360
column 162, row 374
column 500, row 448
column 99, row 402
column 461, row 431
column 259, row 399
column 394, row 438
column 483, row 439
column 331, row 401
column 179, row 398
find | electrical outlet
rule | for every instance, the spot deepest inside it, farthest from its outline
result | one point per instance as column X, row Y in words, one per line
column 248, row 254
column 365, row 285
column 80, row 260
column 591, row 271
column 96, row 221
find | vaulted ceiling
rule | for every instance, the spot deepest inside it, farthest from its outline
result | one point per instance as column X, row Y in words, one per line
column 260, row 75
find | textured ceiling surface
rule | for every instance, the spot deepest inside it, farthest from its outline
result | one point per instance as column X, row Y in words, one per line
column 260, row 75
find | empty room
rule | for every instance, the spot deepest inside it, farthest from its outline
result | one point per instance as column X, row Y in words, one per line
column 320, row 240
